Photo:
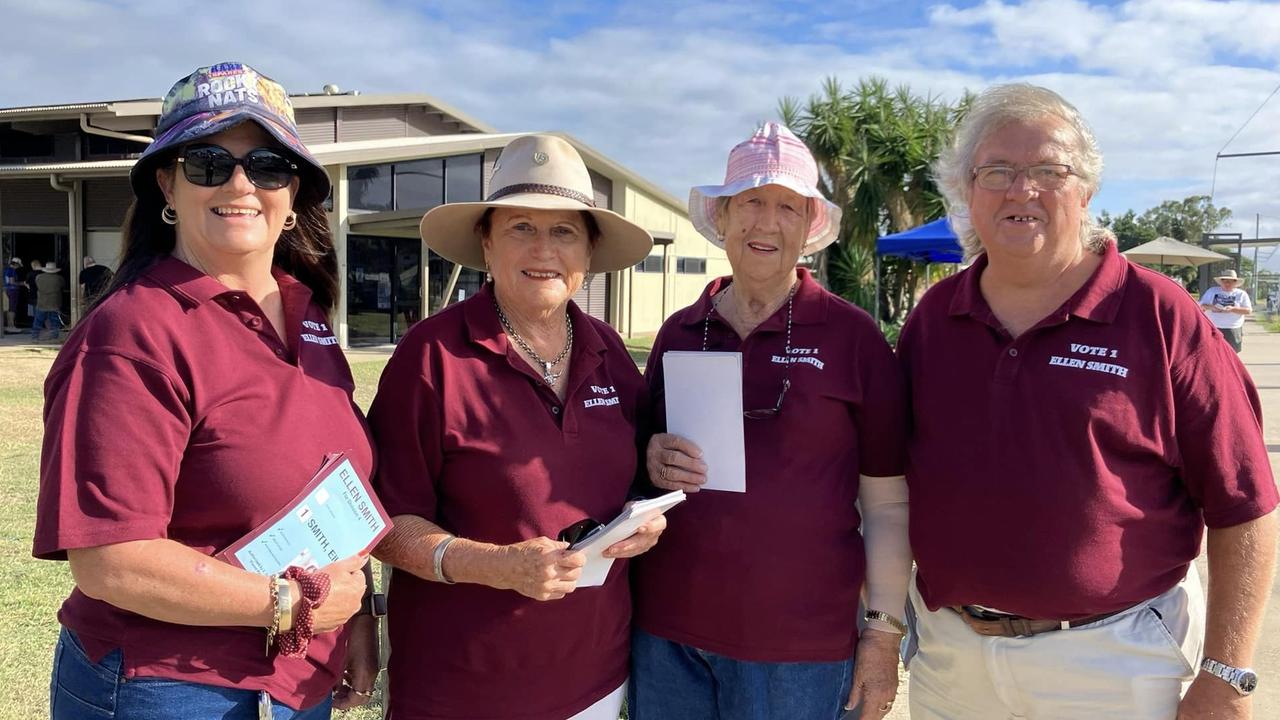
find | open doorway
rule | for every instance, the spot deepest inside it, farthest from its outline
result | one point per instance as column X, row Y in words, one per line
column 41, row 248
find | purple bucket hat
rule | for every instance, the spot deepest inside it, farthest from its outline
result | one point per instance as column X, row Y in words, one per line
column 215, row 98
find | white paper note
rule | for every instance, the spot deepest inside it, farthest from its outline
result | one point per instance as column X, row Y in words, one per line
column 622, row 527
column 704, row 404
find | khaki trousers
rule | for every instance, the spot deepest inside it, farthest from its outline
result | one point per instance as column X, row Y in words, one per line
column 1130, row 666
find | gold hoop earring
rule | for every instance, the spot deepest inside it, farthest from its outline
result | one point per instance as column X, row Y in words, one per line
column 169, row 215
column 291, row 222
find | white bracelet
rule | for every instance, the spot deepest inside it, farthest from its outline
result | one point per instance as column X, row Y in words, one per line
column 438, row 559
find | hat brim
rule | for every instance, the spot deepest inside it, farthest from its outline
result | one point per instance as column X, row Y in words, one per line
column 450, row 230
column 824, row 226
column 313, row 189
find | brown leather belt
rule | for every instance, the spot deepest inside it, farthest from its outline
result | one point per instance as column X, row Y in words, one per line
column 1013, row 626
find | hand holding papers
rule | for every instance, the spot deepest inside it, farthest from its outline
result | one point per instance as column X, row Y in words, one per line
column 704, row 404
column 622, row 527
column 334, row 517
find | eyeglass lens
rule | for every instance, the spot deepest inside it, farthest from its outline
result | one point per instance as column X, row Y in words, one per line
column 211, row 165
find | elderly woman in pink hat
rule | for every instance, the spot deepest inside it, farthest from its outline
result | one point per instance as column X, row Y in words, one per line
column 749, row 608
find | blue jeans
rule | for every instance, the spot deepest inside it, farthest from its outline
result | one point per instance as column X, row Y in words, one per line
column 83, row 690
column 670, row 680
column 50, row 319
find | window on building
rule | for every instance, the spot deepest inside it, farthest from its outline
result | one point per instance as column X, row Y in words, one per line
column 419, row 183
column 652, row 264
column 98, row 147
column 370, row 187
column 17, row 145
column 462, row 178
column 691, row 265
column 415, row 184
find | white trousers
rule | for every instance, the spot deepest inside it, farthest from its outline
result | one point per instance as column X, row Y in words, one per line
column 1131, row 666
column 608, row 707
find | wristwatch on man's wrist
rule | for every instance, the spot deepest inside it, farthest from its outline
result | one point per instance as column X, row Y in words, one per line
column 1244, row 680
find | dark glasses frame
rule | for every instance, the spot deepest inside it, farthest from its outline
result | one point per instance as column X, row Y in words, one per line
column 209, row 165
column 579, row 531
column 763, row 413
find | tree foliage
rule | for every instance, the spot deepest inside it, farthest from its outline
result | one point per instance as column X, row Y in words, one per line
column 874, row 146
column 1186, row 220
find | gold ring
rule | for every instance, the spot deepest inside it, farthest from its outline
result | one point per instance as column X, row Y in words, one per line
column 886, row 707
column 663, row 474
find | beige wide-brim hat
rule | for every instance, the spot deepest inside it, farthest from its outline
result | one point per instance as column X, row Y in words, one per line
column 536, row 172
column 1228, row 275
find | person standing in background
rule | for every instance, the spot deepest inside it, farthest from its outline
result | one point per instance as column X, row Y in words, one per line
column 1227, row 306
column 50, row 286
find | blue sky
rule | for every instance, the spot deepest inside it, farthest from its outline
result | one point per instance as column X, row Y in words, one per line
column 667, row 87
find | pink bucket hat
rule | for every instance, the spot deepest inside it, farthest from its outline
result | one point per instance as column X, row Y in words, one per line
column 772, row 156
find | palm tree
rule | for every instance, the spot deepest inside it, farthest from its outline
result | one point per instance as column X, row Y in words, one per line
column 874, row 147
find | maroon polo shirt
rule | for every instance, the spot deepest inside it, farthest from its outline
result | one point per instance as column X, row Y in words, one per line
column 1071, row 471
column 174, row 411
column 774, row 574
column 472, row 439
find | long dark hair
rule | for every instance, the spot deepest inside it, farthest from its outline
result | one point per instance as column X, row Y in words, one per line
column 305, row 252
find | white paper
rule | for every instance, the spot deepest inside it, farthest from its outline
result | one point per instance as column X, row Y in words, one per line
column 704, row 404
column 620, row 528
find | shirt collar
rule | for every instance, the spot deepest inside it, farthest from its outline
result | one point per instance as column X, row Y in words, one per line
column 194, row 288
column 808, row 308
column 1098, row 300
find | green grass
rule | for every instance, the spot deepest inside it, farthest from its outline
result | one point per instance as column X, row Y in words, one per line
column 639, row 348
column 32, row 590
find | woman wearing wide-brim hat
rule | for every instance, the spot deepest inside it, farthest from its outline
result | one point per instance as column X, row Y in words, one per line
column 747, row 610
column 500, row 422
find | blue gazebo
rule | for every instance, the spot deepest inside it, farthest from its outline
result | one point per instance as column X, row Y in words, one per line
column 933, row 242
column 930, row 243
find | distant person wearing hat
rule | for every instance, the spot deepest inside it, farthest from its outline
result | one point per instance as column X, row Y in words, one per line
column 1076, row 425
column 50, row 287
column 94, row 280
column 748, row 608
column 1227, row 306
column 196, row 398
column 502, row 422
column 12, row 284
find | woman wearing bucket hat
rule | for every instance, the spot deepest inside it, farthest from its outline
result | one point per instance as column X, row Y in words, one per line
column 1227, row 306
column 728, row 626
column 198, row 396
column 501, row 422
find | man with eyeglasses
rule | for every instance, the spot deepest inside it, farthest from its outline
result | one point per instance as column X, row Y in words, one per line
column 1077, row 424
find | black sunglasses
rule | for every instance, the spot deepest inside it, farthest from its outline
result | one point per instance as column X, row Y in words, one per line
column 579, row 531
column 211, row 166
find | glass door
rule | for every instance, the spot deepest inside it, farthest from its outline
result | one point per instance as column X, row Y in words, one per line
column 384, row 288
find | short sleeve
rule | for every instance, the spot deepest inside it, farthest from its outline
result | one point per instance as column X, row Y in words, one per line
column 407, row 425
column 881, row 416
column 115, row 430
column 1218, row 420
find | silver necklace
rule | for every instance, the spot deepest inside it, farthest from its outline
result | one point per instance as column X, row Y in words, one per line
column 547, row 376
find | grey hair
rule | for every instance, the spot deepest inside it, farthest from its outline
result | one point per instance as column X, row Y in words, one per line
column 996, row 107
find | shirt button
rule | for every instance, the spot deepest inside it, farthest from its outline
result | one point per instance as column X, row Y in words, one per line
column 279, row 352
column 254, row 322
column 555, row 410
column 1013, row 352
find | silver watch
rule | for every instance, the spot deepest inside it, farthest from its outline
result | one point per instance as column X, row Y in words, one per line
column 1244, row 680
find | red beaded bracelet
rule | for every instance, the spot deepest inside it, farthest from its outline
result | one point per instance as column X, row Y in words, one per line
column 315, row 589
